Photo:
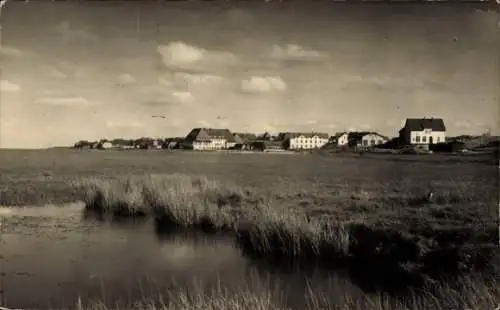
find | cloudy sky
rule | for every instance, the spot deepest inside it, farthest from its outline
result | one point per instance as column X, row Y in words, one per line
column 75, row 71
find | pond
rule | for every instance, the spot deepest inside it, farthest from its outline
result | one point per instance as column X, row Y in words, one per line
column 54, row 255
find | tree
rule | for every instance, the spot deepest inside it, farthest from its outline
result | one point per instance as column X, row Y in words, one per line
column 265, row 137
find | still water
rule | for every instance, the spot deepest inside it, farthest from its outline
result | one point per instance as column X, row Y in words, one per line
column 53, row 255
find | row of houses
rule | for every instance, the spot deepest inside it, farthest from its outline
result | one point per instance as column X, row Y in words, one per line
column 218, row 139
column 416, row 132
column 141, row 143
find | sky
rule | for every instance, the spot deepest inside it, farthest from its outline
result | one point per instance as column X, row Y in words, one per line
column 90, row 70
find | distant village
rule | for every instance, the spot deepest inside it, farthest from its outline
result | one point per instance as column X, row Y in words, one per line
column 417, row 135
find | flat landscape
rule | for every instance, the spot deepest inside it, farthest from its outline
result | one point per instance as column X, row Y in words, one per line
column 424, row 214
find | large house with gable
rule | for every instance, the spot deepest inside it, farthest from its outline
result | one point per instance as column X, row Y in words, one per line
column 422, row 132
column 303, row 140
column 209, row 139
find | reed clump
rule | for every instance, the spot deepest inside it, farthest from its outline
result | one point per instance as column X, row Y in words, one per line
column 173, row 200
column 266, row 225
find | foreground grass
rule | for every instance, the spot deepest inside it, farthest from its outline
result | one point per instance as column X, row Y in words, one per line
column 467, row 294
column 438, row 238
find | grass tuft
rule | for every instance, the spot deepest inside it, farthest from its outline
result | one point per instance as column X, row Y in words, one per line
column 272, row 230
column 175, row 201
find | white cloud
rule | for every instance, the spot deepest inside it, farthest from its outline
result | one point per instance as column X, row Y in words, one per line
column 126, row 79
column 295, row 52
column 183, row 96
column 178, row 54
column 259, row 84
column 63, row 101
column 6, row 86
column 70, row 33
column 196, row 79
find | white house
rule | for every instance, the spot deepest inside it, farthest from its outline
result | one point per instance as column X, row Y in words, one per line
column 371, row 139
column 422, row 131
column 311, row 140
column 209, row 139
column 341, row 139
column 358, row 139
column 105, row 145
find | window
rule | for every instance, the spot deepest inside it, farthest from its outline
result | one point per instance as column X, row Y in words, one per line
column 365, row 142
column 380, row 142
column 424, row 139
column 373, row 142
column 438, row 139
column 418, row 139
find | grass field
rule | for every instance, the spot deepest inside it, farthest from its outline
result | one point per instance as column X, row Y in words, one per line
column 470, row 294
column 426, row 215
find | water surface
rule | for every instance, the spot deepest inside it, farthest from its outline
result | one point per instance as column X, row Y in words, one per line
column 53, row 255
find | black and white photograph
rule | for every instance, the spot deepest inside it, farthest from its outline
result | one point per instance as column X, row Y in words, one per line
column 249, row 155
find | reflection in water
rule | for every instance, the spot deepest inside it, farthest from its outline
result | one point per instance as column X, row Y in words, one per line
column 53, row 255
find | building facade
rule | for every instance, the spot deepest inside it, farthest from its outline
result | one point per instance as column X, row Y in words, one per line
column 209, row 139
column 304, row 141
column 372, row 139
column 365, row 139
column 422, row 131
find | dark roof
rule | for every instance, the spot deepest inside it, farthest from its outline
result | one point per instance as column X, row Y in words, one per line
column 207, row 134
column 357, row 135
column 289, row 135
column 174, row 139
column 419, row 124
column 338, row 135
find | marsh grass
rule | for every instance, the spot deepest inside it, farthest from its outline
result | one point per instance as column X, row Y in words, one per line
column 175, row 201
column 273, row 230
column 272, row 225
column 183, row 300
column 468, row 293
